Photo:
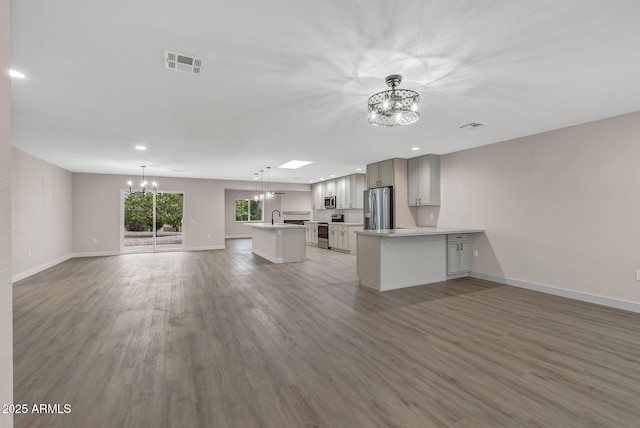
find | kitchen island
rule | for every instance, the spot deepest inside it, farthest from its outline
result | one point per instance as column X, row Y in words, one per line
column 278, row 243
column 399, row 258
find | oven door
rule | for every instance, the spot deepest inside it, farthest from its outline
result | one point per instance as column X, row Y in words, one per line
column 323, row 235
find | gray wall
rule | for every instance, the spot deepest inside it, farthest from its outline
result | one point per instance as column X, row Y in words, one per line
column 6, row 294
column 97, row 210
column 560, row 209
column 234, row 229
column 41, row 213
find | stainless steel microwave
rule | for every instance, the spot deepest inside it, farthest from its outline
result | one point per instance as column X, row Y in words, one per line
column 329, row 202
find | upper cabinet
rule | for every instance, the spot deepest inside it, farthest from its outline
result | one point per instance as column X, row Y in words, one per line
column 330, row 188
column 380, row 174
column 317, row 196
column 348, row 191
column 423, row 175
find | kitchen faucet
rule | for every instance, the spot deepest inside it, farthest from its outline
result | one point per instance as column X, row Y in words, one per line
column 279, row 215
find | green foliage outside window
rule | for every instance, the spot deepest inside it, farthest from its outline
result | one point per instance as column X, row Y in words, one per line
column 138, row 211
column 248, row 210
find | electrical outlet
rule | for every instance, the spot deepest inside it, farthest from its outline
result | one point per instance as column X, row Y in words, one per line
column 475, row 253
column 28, row 253
column 638, row 275
column 431, row 216
column 95, row 240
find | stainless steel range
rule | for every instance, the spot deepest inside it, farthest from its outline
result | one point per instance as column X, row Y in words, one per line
column 323, row 235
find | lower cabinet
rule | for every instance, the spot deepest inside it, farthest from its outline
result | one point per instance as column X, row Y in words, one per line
column 311, row 233
column 343, row 238
column 458, row 254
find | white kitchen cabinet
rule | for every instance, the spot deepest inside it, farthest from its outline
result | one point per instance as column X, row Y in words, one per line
column 423, row 175
column 342, row 238
column 342, row 194
column 330, row 188
column 311, row 233
column 356, row 191
column 348, row 191
column 333, row 236
column 317, row 194
column 458, row 254
column 380, row 174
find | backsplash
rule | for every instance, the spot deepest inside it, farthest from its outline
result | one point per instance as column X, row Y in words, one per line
column 350, row 216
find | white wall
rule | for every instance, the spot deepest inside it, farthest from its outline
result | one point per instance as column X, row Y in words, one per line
column 41, row 214
column 6, row 293
column 234, row 229
column 560, row 209
column 97, row 210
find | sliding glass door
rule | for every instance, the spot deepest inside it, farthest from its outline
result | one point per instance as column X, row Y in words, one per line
column 152, row 221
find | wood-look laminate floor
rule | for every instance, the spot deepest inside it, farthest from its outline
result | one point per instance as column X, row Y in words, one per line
column 227, row 339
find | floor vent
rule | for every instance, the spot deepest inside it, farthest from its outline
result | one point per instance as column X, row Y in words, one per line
column 181, row 62
column 472, row 125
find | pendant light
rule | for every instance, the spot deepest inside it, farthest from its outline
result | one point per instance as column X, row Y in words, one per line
column 269, row 194
column 256, row 196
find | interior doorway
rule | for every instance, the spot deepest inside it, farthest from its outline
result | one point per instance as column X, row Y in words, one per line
column 152, row 221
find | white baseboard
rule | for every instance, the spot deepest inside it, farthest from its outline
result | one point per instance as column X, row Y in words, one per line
column 96, row 254
column 237, row 236
column 22, row 275
column 267, row 256
column 571, row 294
column 205, row 248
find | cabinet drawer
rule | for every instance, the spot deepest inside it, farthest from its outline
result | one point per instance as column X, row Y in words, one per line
column 461, row 237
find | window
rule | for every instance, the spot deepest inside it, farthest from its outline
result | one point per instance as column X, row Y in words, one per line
column 248, row 210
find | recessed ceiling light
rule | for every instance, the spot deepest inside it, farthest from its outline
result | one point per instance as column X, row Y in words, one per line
column 141, row 148
column 16, row 74
column 332, row 175
column 415, row 148
column 358, row 169
column 321, row 178
column 295, row 164
column 177, row 170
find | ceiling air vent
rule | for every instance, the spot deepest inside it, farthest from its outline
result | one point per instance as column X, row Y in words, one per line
column 181, row 62
column 472, row 125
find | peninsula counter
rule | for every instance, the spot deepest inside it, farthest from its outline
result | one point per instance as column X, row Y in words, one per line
column 399, row 258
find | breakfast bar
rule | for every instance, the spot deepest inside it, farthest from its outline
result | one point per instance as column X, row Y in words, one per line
column 398, row 258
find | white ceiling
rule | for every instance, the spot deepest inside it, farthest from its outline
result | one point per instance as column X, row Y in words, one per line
column 286, row 79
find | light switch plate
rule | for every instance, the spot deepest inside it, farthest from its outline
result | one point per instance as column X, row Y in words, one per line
column 638, row 275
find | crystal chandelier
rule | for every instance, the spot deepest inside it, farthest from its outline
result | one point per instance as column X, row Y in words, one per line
column 143, row 183
column 395, row 107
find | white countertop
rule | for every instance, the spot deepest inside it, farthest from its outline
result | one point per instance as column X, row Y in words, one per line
column 275, row 225
column 418, row 231
column 339, row 223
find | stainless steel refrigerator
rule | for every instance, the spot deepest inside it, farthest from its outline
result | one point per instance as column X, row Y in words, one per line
column 378, row 208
